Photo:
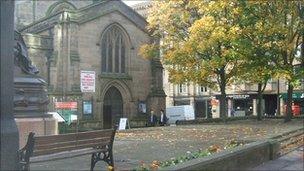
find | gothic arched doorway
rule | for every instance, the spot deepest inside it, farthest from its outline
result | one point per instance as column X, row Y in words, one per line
column 112, row 107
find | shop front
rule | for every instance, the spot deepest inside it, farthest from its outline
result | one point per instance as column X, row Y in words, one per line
column 240, row 104
column 203, row 107
column 297, row 102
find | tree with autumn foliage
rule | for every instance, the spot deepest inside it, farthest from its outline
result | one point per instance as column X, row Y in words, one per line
column 283, row 21
column 258, row 67
column 274, row 30
column 200, row 41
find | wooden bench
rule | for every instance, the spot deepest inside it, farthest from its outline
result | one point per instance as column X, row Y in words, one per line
column 54, row 147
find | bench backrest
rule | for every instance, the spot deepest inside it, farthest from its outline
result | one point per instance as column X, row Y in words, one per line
column 66, row 142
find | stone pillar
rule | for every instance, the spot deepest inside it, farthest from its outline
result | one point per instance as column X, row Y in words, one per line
column 74, row 58
column 9, row 131
column 192, row 102
column 170, row 95
column 229, row 106
column 157, row 96
column 254, row 107
column 282, row 104
column 62, row 36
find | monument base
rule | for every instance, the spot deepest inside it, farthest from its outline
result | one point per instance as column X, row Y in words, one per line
column 38, row 125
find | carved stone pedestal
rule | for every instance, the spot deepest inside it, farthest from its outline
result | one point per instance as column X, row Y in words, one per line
column 39, row 125
column 30, row 108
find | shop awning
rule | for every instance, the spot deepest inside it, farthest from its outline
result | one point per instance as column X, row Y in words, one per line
column 296, row 95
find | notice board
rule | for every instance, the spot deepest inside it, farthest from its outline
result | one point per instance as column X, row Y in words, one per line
column 87, row 81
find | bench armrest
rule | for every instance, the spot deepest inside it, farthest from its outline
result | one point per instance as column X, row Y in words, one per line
column 26, row 152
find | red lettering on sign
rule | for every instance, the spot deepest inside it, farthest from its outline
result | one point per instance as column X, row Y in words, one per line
column 66, row 105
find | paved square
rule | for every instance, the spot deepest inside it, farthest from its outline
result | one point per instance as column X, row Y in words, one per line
column 162, row 143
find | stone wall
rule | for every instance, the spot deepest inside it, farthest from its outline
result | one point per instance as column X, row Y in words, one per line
column 240, row 158
column 138, row 81
column 40, row 48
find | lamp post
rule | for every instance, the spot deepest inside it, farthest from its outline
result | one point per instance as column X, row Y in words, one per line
column 9, row 131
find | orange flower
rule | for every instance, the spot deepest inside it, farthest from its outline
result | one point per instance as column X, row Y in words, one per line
column 214, row 149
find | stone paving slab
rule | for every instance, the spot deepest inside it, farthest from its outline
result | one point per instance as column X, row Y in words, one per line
column 291, row 161
column 134, row 146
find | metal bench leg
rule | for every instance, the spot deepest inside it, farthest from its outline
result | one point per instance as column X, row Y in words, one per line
column 93, row 161
column 27, row 167
column 106, row 157
column 111, row 161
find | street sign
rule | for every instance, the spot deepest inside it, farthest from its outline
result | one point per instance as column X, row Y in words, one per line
column 87, row 81
column 238, row 96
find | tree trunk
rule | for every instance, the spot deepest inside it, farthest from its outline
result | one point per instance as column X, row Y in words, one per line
column 223, row 100
column 259, row 105
column 289, row 102
column 302, row 52
column 278, row 113
column 223, row 105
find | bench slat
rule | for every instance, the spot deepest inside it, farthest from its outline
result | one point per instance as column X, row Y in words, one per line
column 63, row 155
column 50, row 139
column 94, row 144
column 70, row 148
column 97, row 141
column 94, row 134
column 41, row 147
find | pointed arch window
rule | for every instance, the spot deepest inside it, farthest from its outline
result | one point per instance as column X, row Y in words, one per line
column 113, row 51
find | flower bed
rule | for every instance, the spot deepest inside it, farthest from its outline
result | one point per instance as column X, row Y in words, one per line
column 189, row 156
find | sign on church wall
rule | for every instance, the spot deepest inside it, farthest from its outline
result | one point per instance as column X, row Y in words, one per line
column 65, row 105
column 87, row 81
column 142, row 107
column 87, row 107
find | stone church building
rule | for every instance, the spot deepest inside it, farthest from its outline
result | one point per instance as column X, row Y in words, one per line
column 102, row 36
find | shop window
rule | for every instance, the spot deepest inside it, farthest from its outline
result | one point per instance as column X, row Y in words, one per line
column 243, row 107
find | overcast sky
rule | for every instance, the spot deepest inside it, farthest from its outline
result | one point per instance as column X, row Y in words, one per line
column 132, row 2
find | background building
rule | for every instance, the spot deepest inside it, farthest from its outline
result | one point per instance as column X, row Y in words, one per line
column 242, row 98
column 67, row 37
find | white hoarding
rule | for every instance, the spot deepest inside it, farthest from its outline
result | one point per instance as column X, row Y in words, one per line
column 87, row 81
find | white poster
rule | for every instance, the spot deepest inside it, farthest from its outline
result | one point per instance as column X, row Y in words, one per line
column 87, row 81
column 122, row 123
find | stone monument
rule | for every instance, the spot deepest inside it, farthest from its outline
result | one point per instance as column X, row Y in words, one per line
column 30, row 98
